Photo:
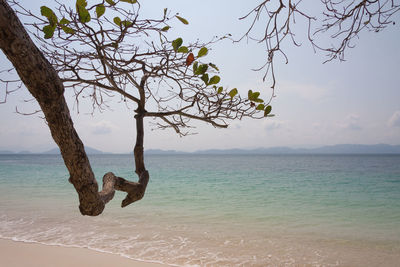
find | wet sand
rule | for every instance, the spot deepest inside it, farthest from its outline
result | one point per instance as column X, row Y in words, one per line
column 20, row 254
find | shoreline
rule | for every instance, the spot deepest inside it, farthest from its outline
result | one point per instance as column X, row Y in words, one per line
column 21, row 254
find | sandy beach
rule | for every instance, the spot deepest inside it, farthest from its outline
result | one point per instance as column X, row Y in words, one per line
column 20, row 254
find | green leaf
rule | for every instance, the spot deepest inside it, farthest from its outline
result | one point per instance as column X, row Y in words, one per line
column 81, row 3
column 249, row 94
column 260, row 107
column 213, row 66
column 195, row 65
column 100, row 9
column 233, row 92
column 253, row 96
column 267, row 110
column 48, row 31
column 64, row 21
column 49, row 14
column 45, row 11
column 126, row 23
column 205, row 78
column 68, row 30
column 201, row 69
column 177, row 43
column 184, row 21
column 117, row 21
column 183, row 49
column 165, row 11
column 84, row 15
column 203, row 51
column 220, row 89
column 110, row 2
column 166, row 28
column 214, row 80
column 129, row 1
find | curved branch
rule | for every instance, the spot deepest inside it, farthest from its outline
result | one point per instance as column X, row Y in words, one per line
column 43, row 83
column 135, row 190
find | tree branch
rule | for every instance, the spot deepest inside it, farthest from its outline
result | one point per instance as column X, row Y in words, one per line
column 341, row 20
column 43, row 83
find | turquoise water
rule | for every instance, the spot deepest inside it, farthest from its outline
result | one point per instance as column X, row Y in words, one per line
column 225, row 210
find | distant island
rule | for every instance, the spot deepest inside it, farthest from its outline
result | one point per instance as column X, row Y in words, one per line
column 334, row 149
column 54, row 151
column 89, row 150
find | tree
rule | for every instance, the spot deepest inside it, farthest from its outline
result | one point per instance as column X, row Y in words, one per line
column 84, row 49
column 342, row 21
column 107, row 49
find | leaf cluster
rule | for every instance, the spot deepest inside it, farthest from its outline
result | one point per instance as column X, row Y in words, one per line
column 106, row 49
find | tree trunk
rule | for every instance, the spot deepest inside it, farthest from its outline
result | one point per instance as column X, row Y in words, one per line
column 43, row 83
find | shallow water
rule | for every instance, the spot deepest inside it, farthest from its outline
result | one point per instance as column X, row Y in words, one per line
column 225, row 210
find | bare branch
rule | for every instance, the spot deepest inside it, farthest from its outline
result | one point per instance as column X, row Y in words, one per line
column 10, row 85
column 27, row 114
column 279, row 17
column 342, row 21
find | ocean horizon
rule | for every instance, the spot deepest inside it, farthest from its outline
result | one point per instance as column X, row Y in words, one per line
column 217, row 210
column 338, row 149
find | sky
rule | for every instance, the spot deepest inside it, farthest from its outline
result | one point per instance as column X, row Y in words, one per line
column 356, row 101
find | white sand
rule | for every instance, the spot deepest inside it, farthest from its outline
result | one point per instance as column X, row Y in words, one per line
column 20, row 254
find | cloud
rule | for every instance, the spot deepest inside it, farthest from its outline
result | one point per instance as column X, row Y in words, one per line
column 103, row 127
column 271, row 125
column 316, row 126
column 351, row 122
column 235, row 125
column 311, row 92
column 394, row 120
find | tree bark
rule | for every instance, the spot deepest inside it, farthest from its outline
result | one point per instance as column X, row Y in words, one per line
column 43, row 83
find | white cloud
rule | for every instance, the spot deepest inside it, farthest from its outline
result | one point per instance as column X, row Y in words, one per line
column 271, row 125
column 311, row 92
column 351, row 122
column 394, row 120
column 103, row 127
column 316, row 126
column 235, row 125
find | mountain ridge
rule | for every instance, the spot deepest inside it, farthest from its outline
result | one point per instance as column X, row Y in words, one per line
column 54, row 151
column 330, row 149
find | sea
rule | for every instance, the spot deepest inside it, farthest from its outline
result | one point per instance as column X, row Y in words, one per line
column 217, row 210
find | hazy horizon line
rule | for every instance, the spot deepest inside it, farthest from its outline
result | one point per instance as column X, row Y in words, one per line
column 91, row 150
